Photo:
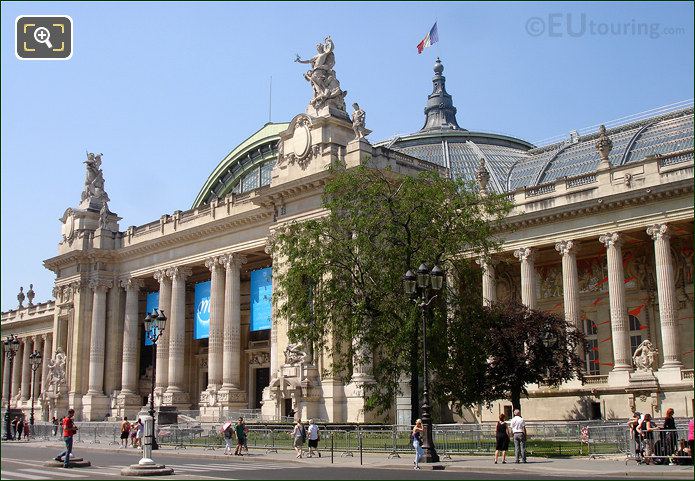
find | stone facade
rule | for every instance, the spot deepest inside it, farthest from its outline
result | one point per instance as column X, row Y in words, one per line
column 611, row 249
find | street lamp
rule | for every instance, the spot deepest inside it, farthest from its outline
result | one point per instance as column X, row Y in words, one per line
column 419, row 287
column 154, row 328
column 35, row 361
column 11, row 344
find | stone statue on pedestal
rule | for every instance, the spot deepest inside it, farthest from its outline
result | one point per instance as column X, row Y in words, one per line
column 359, row 117
column 94, row 180
column 644, row 356
column 322, row 77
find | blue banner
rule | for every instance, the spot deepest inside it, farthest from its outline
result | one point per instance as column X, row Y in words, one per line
column 261, row 297
column 152, row 303
column 201, row 326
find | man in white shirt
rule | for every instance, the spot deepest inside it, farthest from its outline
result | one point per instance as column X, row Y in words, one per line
column 519, row 431
column 313, row 433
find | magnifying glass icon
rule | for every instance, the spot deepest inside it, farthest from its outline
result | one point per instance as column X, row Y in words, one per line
column 43, row 35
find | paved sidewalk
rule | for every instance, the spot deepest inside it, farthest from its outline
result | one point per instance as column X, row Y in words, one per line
column 577, row 467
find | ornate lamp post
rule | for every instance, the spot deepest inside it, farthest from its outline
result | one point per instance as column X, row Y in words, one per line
column 154, row 328
column 35, row 359
column 550, row 341
column 419, row 287
column 11, row 344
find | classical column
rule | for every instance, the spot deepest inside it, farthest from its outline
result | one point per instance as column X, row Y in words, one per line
column 131, row 335
column 26, row 369
column 47, row 344
column 97, row 336
column 6, row 381
column 38, row 340
column 17, row 371
column 231, row 352
column 489, row 281
column 570, row 280
column 666, row 290
column 528, row 276
column 217, row 289
column 622, row 359
column 162, row 374
column 177, row 335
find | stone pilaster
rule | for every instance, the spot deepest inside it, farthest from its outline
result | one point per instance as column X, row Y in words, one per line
column 128, row 399
column 175, row 395
column 666, row 291
column 526, row 256
column 26, row 368
column 96, row 404
column 489, row 280
column 620, row 329
column 570, row 281
column 162, row 374
column 217, row 289
column 231, row 352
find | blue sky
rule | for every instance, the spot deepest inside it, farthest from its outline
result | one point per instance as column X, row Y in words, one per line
column 165, row 90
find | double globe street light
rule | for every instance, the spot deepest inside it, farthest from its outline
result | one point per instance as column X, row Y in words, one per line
column 11, row 345
column 420, row 288
column 154, row 329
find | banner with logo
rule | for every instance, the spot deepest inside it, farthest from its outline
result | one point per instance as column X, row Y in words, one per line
column 152, row 303
column 201, row 324
column 261, row 297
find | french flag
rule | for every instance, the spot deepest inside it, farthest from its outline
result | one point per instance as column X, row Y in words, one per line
column 430, row 38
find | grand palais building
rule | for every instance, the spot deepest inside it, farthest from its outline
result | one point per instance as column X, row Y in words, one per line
column 601, row 231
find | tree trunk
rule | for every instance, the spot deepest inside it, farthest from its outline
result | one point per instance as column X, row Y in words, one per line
column 516, row 398
column 414, row 377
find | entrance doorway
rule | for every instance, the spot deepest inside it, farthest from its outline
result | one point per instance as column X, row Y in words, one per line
column 287, row 408
column 262, row 381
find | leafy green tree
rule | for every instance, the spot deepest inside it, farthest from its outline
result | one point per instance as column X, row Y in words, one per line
column 505, row 347
column 340, row 284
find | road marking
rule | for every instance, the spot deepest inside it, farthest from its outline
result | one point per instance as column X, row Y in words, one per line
column 66, row 474
column 21, row 475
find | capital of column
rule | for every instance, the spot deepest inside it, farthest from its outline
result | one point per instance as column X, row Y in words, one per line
column 132, row 283
column 233, row 259
column 611, row 239
column 213, row 263
column 659, row 231
column 525, row 254
column 179, row 273
column 485, row 262
column 567, row 247
column 100, row 284
column 160, row 275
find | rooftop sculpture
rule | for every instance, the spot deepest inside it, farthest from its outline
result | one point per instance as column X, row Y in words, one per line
column 322, row 77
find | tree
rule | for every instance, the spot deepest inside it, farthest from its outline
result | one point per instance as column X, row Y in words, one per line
column 504, row 348
column 340, row 287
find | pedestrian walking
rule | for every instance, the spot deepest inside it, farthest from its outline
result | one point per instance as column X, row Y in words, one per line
column 519, row 433
column 314, row 437
column 240, row 430
column 228, row 433
column 55, row 423
column 501, row 439
column 17, row 428
column 635, row 440
column 646, row 430
column 27, row 429
column 691, row 435
column 69, row 430
column 133, row 434
column 416, row 440
column 298, row 438
column 668, row 436
column 125, row 431
column 139, row 433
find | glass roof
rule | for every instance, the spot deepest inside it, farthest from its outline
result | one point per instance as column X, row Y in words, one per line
column 663, row 137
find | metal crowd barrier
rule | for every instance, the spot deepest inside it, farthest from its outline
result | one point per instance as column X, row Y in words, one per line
column 664, row 446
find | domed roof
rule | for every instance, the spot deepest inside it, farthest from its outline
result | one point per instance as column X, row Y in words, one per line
column 514, row 163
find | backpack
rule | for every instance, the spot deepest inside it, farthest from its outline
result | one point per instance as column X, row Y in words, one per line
column 303, row 434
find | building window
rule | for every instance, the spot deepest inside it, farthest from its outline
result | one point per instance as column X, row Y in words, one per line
column 508, row 411
column 591, row 355
column 636, row 329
